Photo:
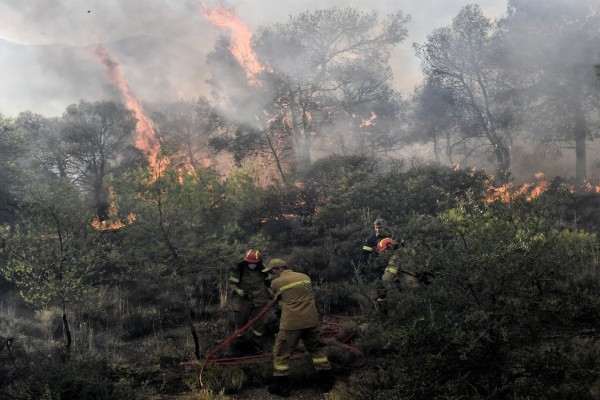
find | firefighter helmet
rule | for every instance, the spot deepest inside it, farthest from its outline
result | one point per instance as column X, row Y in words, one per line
column 277, row 262
column 253, row 256
column 387, row 243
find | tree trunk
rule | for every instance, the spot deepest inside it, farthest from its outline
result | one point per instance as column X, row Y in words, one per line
column 67, row 331
column 101, row 201
column 580, row 162
column 502, row 153
column 302, row 151
column 580, row 137
column 194, row 332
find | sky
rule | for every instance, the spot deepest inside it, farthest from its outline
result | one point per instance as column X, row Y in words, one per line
column 161, row 45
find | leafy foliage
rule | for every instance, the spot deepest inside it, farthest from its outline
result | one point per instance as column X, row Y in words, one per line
column 501, row 317
column 52, row 252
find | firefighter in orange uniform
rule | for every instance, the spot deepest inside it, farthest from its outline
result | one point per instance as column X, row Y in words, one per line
column 250, row 288
column 299, row 321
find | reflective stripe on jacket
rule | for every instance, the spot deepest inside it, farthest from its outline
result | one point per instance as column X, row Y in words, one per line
column 298, row 308
column 252, row 282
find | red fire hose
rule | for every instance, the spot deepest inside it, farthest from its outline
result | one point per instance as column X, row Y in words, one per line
column 234, row 336
column 248, row 325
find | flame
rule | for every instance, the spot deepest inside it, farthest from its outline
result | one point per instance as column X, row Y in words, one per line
column 590, row 187
column 241, row 39
column 113, row 222
column 507, row 192
column 369, row 121
column 145, row 139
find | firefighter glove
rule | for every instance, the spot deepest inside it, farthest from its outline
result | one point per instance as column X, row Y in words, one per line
column 241, row 293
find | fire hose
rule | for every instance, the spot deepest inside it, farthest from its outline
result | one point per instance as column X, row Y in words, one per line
column 233, row 337
column 232, row 361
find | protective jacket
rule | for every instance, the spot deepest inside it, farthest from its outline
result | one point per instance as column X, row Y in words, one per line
column 297, row 300
column 370, row 246
column 393, row 273
column 250, row 284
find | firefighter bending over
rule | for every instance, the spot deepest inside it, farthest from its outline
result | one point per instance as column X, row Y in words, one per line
column 299, row 321
column 250, row 289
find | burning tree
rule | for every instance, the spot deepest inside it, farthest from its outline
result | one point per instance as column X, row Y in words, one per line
column 325, row 71
column 185, row 129
column 96, row 134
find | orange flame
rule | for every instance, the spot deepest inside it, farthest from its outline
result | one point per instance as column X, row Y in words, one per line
column 145, row 139
column 507, row 192
column 113, row 222
column 591, row 187
column 369, row 121
column 241, row 39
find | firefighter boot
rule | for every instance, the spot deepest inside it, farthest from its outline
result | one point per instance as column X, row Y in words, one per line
column 326, row 380
column 280, row 386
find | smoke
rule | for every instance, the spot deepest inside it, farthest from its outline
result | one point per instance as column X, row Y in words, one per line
column 45, row 45
column 162, row 46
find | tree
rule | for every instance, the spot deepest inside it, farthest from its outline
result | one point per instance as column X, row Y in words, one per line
column 324, row 71
column 463, row 59
column 432, row 118
column 48, row 150
column 52, row 253
column 13, row 147
column 180, row 218
column 330, row 66
column 507, row 310
column 96, row 133
column 185, row 129
column 555, row 46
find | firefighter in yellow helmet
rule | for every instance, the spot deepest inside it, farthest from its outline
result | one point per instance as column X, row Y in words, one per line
column 249, row 285
column 299, row 321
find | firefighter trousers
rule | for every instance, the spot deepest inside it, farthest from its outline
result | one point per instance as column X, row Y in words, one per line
column 287, row 340
column 243, row 311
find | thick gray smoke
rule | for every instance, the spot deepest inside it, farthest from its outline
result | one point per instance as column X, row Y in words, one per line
column 46, row 45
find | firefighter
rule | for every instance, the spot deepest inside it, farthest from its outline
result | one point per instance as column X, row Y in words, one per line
column 369, row 248
column 249, row 285
column 299, row 321
column 387, row 247
column 393, row 276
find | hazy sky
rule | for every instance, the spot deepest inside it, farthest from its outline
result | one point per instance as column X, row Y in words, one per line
column 44, row 44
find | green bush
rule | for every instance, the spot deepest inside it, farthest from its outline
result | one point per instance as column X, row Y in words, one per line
column 500, row 318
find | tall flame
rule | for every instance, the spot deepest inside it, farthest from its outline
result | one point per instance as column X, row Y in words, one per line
column 241, row 39
column 145, row 139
